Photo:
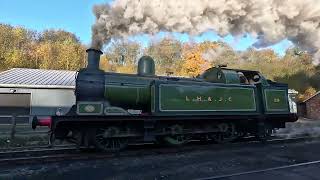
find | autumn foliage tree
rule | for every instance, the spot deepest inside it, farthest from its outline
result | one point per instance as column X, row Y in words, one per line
column 167, row 55
column 59, row 49
column 193, row 63
column 121, row 56
column 199, row 57
column 51, row 49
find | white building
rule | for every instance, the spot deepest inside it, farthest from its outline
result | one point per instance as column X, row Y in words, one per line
column 293, row 100
column 30, row 92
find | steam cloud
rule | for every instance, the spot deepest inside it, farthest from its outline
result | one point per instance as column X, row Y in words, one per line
column 301, row 128
column 211, row 54
column 268, row 20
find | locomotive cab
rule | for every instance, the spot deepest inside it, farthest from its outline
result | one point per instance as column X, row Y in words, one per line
column 232, row 76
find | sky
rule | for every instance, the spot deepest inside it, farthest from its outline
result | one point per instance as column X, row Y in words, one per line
column 76, row 16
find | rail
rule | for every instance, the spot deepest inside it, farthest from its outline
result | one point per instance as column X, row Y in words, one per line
column 261, row 170
column 57, row 154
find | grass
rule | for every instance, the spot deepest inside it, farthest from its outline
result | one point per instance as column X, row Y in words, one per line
column 24, row 136
column 23, row 141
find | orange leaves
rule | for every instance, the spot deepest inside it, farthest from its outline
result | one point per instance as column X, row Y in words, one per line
column 51, row 49
column 310, row 91
column 194, row 63
column 58, row 49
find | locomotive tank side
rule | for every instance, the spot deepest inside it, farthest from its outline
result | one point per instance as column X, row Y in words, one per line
column 131, row 92
column 100, row 93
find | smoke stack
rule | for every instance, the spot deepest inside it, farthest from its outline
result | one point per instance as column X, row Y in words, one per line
column 93, row 58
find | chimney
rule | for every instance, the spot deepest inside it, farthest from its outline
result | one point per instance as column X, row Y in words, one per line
column 93, row 58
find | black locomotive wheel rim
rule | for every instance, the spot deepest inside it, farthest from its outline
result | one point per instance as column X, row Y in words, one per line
column 110, row 143
column 176, row 140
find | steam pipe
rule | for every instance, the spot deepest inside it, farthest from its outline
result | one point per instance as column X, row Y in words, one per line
column 93, row 58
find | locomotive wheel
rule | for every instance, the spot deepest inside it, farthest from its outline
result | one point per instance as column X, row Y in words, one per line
column 176, row 140
column 105, row 140
column 176, row 137
column 227, row 133
column 264, row 133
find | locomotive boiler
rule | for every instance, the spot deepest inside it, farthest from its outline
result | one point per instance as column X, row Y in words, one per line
column 114, row 109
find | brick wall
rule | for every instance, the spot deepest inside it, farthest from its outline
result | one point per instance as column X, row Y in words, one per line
column 313, row 107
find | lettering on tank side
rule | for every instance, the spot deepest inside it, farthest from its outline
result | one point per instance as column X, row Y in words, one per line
column 276, row 99
column 211, row 102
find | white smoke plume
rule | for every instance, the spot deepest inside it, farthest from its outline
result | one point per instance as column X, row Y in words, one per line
column 212, row 54
column 301, row 128
column 268, row 20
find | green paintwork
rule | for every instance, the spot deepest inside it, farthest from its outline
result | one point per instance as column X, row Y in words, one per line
column 132, row 95
column 205, row 95
column 115, row 111
column 276, row 100
column 218, row 75
column 128, row 91
column 153, row 99
column 176, row 140
column 96, row 108
column 214, row 75
column 231, row 77
column 206, row 98
column 146, row 66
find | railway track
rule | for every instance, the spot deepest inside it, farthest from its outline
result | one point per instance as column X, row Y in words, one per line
column 25, row 148
column 235, row 175
column 47, row 155
column 34, row 152
column 30, row 156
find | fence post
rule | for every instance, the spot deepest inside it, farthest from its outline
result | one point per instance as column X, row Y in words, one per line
column 13, row 127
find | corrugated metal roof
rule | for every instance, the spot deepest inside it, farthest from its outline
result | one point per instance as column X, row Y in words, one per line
column 21, row 77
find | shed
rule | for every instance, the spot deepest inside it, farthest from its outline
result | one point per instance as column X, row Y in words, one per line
column 312, row 107
column 30, row 92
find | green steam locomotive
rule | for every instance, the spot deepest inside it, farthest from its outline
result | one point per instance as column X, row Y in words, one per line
column 113, row 109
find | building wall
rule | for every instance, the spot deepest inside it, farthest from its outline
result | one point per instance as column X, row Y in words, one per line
column 49, row 101
column 313, row 107
column 46, row 102
column 15, row 103
column 302, row 109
